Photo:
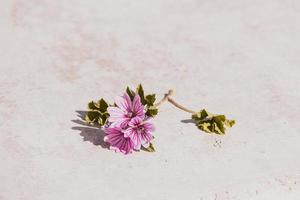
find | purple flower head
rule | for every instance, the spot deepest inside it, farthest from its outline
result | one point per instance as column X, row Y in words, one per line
column 126, row 110
column 118, row 142
column 140, row 132
column 128, row 128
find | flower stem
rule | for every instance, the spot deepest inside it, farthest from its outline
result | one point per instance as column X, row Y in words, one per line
column 180, row 106
column 167, row 98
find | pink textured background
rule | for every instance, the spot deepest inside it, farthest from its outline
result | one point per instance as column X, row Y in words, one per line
column 240, row 58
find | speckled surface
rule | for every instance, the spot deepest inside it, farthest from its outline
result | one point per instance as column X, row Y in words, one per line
column 240, row 58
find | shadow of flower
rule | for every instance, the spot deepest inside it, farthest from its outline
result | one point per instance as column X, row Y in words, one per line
column 91, row 133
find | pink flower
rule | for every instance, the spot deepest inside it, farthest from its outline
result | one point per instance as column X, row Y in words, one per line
column 127, row 129
column 140, row 132
column 118, row 142
column 126, row 110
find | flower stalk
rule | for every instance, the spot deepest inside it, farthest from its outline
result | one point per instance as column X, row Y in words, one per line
column 168, row 98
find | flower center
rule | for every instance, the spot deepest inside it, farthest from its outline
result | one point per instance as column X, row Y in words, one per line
column 140, row 130
column 130, row 114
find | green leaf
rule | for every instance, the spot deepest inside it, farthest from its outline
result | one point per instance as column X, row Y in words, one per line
column 200, row 115
column 151, row 112
column 102, row 120
column 92, row 116
column 130, row 93
column 212, row 123
column 150, row 148
column 102, row 105
column 97, row 113
column 93, row 105
column 229, row 123
column 205, row 126
column 150, row 99
column 219, row 123
column 140, row 92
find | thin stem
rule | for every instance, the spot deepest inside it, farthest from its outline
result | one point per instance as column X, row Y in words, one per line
column 180, row 106
column 167, row 98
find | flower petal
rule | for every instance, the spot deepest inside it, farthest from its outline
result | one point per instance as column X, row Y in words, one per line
column 124, row 102
column 146, row 145
column 149, row 127
column 118, row 142
column 135, row 121
column 122, row 123
column 146, row 137
column 115, row 114
column 138, row 146
column 136, row 139
column 137, row 107
column 128, row 132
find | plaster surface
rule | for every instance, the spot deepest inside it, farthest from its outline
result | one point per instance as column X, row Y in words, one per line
column 239, row 58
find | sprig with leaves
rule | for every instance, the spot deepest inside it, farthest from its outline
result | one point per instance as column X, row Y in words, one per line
column 136, row 108
column 212, row 123
column 205, row 121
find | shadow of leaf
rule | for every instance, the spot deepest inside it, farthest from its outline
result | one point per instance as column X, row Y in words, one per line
column 188, row 121
column 91, row 133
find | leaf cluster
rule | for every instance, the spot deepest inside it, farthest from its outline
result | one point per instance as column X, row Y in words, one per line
column 97, row 113
column 212, row 123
